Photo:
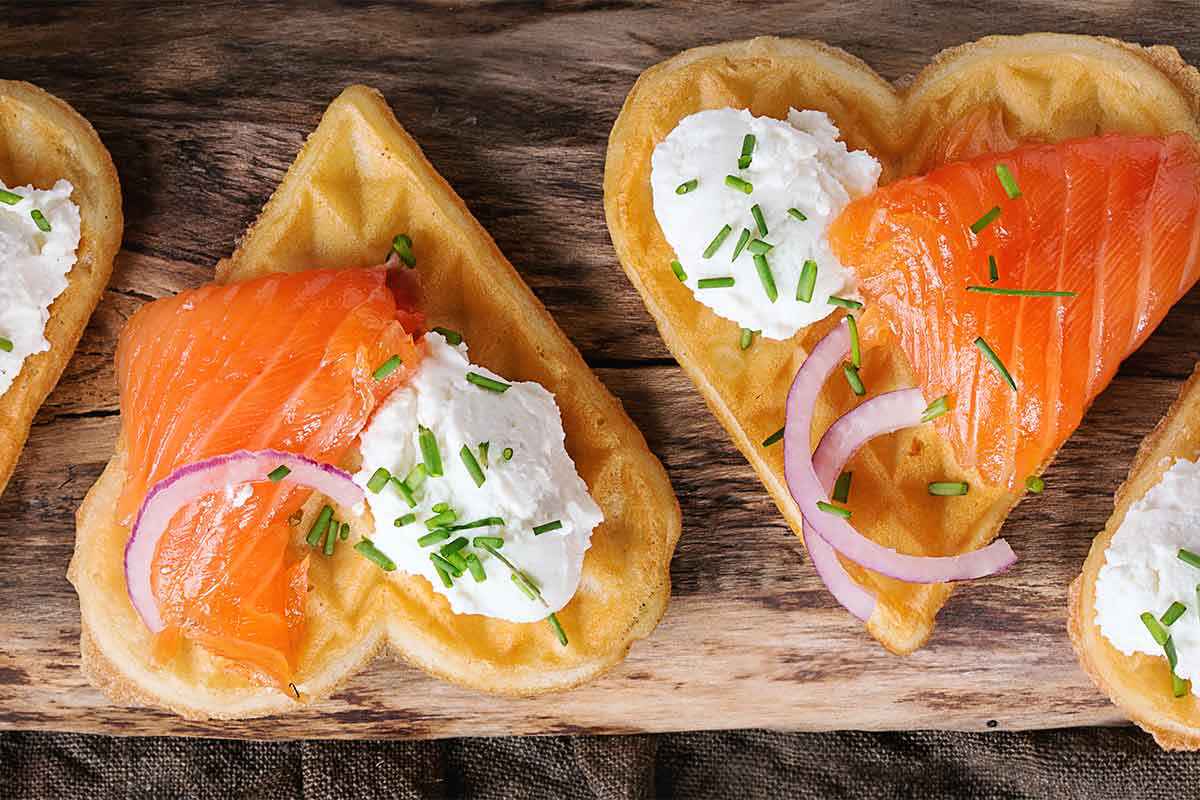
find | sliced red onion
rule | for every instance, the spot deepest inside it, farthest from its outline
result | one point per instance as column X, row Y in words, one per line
column 807, row 489
column 193, row 481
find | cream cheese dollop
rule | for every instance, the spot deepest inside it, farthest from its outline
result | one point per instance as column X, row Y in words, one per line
column 1142, row 570
column 538, row 485
column 798, row 164
column 34, row 265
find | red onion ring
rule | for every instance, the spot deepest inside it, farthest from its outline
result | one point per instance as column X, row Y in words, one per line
column 807, row 489
column 192, row 481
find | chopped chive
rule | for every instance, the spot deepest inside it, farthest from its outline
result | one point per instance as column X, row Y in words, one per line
column 1019, row 292
column 834, row 300
column 404, row 490
column 717, row 241
column 429, row 451
column 486, row 522
column 476, row 568
column 441, row 520
column 484, row 382
column 987, row 219
column 1170, row 652
column 416, row 477
column 841, row 488
column 558, row 629
column 445, row 564
column 318, row 529
column 345, row 533
column 808, row 281
column 745, row 158
column 1035, row 484
column 993, row 270
column 854, row 379
column 797, row 214
column 483, row 454
column 1008, row 182
column 6, row 344
column 936, row 409
column 454, row 546
column 403, row 246
column 538, row 530
column 452, row 337
column 687, row 186
column 759, row 247
column 774, row 437
column 433, row 537
column 331, row 538
column 677, row 268
column 991, row 356
column 407, row 519
column 1179, row 687
column 507, row 454
column 40, row 220
column 9, row 198
column 949, row 488
column 378, row 480
column 743, row 239
column 1188, row 557
column 1174, row 612
column 743, row 186
column 523, row 585
column 459, row 562
column 1156, row 629
column 756, row 212
column 484, row 542
column 472, row 465
column 367, row 549
column 387, row 367
column 765, row 276
column 438, row 508
column 447, row 581
column 746, row 339
column 279, row 473
column 830, row 508
column 855, row 345
column 715, row 283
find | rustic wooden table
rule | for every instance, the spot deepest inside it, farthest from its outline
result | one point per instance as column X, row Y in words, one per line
column 203, row 109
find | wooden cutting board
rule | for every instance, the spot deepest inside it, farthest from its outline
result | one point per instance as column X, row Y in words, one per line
column 203, row 110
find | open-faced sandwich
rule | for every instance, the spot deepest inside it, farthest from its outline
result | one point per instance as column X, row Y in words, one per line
column 969, row 257
column 313, row 463
column 60, row 229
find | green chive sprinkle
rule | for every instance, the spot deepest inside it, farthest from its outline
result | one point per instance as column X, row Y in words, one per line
column 993, row 270
column 378, row 480
column 854, row 379
column 345, row 534
column 717, row 241
column 447, row 581
column 830, row 508
column 9, row 198
column 936, row 409
column 429, row 451
column 677, row 268
column 445, row 564
column 949, row 488
column 1179, row 687
column 6, row 344
column 40, row 220
column 483, row 454
column 318, row 529
column 558, row 629
column 987, row 219
column 441, row 520
column 438, row 508
column 841, row 488
column 765, row 276
column 486, row 522
column 1188, row 557
column 798, row 214
column 484, row 382
column 759, row 247
column 524, row 586
column 744, row 159
column 507, row 454
column 407, row 519
column 743, row 239
column 476, row 568
column 1018, row 292
column 416, row 476
column 855, row 345
column 1008, row 181
column 387, row 367
column 367, row 549
column 1172, row 655
column 452, row 337
column 746, row 339
column 743, row 186
column 834, row 300
column 1156, row 629
column 433, row 537
column 403, row 246
column 1035, row 484
column 279, row 473
column 404, row 490
column 459, row 562
column 331, row 538
column 808, row 281
column 547, row 527
column 991, row 356
column 1174, row 612
column 484, row 542
column 687, row 186
column 774, row 437
column 454, row 546
column 472, row 465
column 756, row 212
column 715, row 283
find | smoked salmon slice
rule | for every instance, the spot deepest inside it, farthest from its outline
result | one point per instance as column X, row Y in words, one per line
column 1111, row 219
column 285, row 361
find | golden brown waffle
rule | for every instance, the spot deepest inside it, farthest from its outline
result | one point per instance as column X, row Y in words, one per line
column 1048, row 87
column 42, row 139
column 358, row 181
column 1140, row 684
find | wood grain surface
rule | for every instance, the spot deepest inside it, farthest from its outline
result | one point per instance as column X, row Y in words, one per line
column 203, row 109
